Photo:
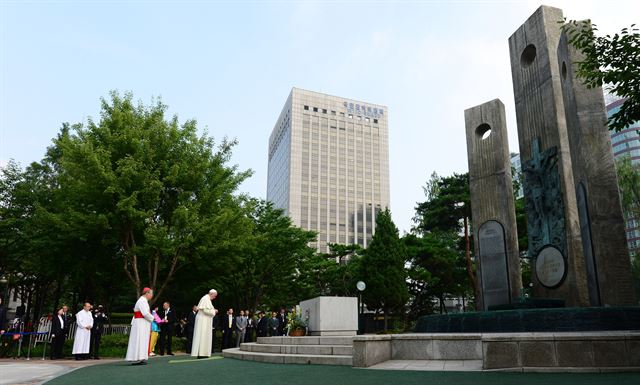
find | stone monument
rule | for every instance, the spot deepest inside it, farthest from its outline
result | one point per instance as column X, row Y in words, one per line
column 492, row 205
column 602, row 228
column 574, row 218
column 331, row 316
column 552, row 216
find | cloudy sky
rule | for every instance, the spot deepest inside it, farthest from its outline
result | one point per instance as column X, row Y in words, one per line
column 231, row 65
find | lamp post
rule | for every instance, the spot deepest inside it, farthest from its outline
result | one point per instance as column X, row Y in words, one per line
column 360, row 286
column 4, row 282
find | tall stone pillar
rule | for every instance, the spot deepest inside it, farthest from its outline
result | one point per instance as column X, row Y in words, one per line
column 555, row 243
column 604, row 243
column 492, row 204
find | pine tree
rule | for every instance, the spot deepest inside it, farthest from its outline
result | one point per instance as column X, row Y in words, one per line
column 383, row 268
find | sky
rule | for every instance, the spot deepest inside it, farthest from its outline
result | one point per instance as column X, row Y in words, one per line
column 231, row 65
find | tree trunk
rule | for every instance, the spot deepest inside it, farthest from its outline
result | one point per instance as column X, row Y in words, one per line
column 472, row 275
column 57, row 294
column 386, row 318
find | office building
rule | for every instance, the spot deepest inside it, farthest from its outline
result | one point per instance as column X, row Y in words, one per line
column 329, row 166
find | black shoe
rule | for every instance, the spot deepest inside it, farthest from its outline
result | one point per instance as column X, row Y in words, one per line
column 170, row 354
column 140, row 363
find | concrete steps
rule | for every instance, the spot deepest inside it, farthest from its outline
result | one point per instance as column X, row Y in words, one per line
column 318, row 350
column 296, row 350
column 280, row 358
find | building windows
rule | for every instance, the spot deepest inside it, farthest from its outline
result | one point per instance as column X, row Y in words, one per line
column 324, row 110
column 315, row 109
column 350, row 116
column 306, row 108
column 333, row 112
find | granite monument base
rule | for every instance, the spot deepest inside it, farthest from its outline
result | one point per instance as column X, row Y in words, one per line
column 331, row 316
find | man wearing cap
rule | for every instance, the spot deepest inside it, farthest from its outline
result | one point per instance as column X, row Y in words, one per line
column 138, row 349
column 201, row 346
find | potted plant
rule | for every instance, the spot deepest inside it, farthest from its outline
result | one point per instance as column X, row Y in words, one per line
column 297, row 325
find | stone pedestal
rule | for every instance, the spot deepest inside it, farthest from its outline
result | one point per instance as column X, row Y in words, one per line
column 492, row 204
column 331, row 316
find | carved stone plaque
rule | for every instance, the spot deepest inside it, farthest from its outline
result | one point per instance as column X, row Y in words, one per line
column 493, row 262
column 551, row 268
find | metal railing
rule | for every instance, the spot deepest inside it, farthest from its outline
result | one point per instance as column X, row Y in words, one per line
column 45, row 326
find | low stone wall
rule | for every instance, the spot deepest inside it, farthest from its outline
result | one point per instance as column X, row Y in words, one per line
column 561, row 350
column 371, row 350
column 515, row 351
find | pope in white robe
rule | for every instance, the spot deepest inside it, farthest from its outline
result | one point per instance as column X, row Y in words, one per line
column 201, row 346
column 82, row 339
column 138, row 348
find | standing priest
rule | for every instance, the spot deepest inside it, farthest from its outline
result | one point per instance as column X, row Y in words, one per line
column 82, row 339
column 138, row 349
column 201, row 346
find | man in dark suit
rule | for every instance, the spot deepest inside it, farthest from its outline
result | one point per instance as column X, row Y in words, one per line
column 3, row 316
column 262, row 327
column 68, row 320
column 214, row 325
column 168, row 315
column 57, row 334
column 99, row 319
column 282, row 320
column 251, row 327
column 228, row 325
column 191, row 323
column 274, row 325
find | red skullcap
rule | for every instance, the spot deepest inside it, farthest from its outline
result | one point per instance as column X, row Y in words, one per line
column 146, row 290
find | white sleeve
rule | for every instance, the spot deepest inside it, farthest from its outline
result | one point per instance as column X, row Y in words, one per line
column 144, row 309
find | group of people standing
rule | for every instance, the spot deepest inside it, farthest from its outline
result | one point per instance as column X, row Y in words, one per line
column 241, row 328
column 90, row 326
column 200, row 328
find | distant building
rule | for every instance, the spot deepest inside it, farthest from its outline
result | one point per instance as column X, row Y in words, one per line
column 516, row 175
column 626, row 143
column 329, row 166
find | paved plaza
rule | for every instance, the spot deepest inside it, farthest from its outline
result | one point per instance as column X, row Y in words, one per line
column 220, row 371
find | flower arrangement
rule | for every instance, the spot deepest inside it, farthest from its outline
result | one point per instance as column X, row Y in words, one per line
column 297, row 323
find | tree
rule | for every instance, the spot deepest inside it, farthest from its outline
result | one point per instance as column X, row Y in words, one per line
column 335, row 273
column 164, row 194
column 448, row 210
column 629, row 184
column 271, row 254
column 383, row 268
column 437, row 269
column 613, row 61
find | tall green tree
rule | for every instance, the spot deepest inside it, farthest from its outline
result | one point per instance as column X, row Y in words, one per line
column 164, row 193
column 436, row 270
column 448, row 210
column 629, row 184
column 272, row 251
column 612, row 61
column 383, row 268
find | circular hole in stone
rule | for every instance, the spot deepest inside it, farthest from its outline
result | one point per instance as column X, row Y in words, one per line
column 483, row 131
column 528, row 55
column 564, row 70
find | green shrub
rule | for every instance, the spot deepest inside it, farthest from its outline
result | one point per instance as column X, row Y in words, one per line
column 113, row 345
